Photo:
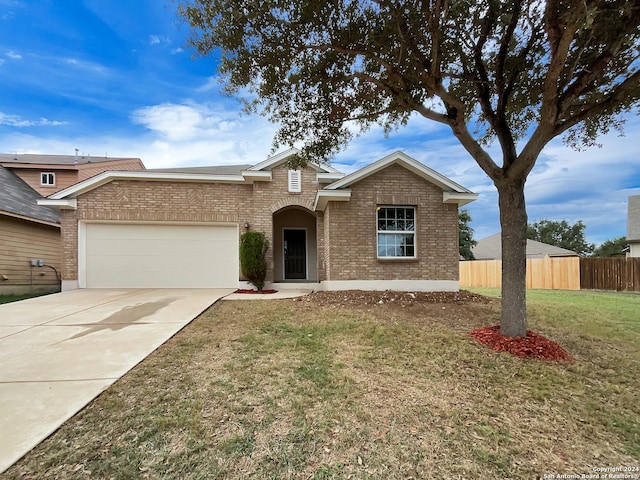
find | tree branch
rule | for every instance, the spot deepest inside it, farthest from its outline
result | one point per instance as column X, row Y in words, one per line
column 630, row 86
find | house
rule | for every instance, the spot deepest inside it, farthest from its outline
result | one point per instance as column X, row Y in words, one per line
column 633, row 226
column 390, row 225
column 490, row 248
column 28, row 231
column 47, row 174
column 30, row 241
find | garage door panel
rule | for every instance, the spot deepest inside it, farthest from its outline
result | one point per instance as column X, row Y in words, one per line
column 161, row 256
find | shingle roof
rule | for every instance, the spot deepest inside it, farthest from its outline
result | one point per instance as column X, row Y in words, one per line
column 20, row 199
column 490, row 248
column 214, row 170
column 633, row 219
column 9, row 158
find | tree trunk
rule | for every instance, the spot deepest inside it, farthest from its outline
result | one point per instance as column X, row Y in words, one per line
column 513, row 220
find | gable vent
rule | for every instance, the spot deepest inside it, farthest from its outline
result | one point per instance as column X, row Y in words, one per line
column 295, row 181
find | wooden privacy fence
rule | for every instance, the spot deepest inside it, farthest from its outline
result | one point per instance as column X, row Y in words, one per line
column 543, row 273
column 620, row 274
column 562, row 273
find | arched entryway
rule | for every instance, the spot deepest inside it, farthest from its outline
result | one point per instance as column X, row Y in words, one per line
column 295, row 245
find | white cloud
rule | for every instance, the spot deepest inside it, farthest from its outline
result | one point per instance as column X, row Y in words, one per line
column 183, row 122
column 17, row 121
column 159, row 39
column 86, row 66
column 212, row 84
column 13, row 55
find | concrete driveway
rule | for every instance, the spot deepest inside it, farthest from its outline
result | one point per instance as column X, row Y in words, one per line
column 58, row 352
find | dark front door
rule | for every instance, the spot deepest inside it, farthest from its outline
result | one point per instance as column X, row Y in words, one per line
column 295, row 254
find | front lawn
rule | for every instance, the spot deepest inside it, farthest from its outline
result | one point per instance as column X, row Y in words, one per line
column 377, row 386
column 15, row 298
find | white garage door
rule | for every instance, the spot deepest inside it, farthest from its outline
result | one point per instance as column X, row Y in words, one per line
column 161, row 256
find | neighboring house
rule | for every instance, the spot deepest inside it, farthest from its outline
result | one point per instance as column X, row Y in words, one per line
column 390, row 225
column 31, row 232
column 28, row 231
column 490, row 248
column 633, row 226
column 48, row 174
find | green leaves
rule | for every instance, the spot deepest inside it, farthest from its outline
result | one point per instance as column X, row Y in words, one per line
column 326, row 71
column 561, row 234
column 253, row 248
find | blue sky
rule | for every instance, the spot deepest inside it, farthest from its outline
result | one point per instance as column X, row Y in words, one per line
column 115, row 78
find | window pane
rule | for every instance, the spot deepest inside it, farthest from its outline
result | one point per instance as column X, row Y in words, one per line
column 396, row 219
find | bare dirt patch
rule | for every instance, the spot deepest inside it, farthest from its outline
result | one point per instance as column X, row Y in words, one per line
column 359, row 298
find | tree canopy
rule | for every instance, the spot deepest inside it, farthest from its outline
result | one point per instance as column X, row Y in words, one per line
column 519, row 73
column 465, row 235
column 617, row 247
column 561, row 234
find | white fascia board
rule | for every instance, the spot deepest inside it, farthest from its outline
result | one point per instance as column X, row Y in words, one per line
column 282, row 157
column 323, row 197
column 276, row 159
column 64, row 204
column 459, row 198
column 407, row 162
column 29, row 219
column 329, row 177
column 106, row 177
column 329, row 169
column 254, row 176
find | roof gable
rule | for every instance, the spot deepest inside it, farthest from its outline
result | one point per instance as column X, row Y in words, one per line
column 283, row 157
column 404, row 160
column 19, row 199
column 339, row 190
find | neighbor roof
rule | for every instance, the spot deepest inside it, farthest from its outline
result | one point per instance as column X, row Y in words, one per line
column 633, row 219
column 10, row 159
column 490, row 248
column 19, row 199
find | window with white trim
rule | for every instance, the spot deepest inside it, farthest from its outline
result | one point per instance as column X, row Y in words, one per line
column 47, row 178
column 396, row 232
column 295, row 181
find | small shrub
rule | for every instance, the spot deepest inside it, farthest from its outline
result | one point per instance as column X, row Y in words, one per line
column 253, row 248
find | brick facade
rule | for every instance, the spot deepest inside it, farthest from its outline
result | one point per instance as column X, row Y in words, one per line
column 352, row 233
column 342, row 239
column 158, row 201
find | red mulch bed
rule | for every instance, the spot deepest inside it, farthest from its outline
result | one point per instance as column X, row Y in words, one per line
column 255, row 291
column 531, row 346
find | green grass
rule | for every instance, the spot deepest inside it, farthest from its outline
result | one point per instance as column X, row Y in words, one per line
column 297, row 390
column 15, row 298
column 602, row 315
